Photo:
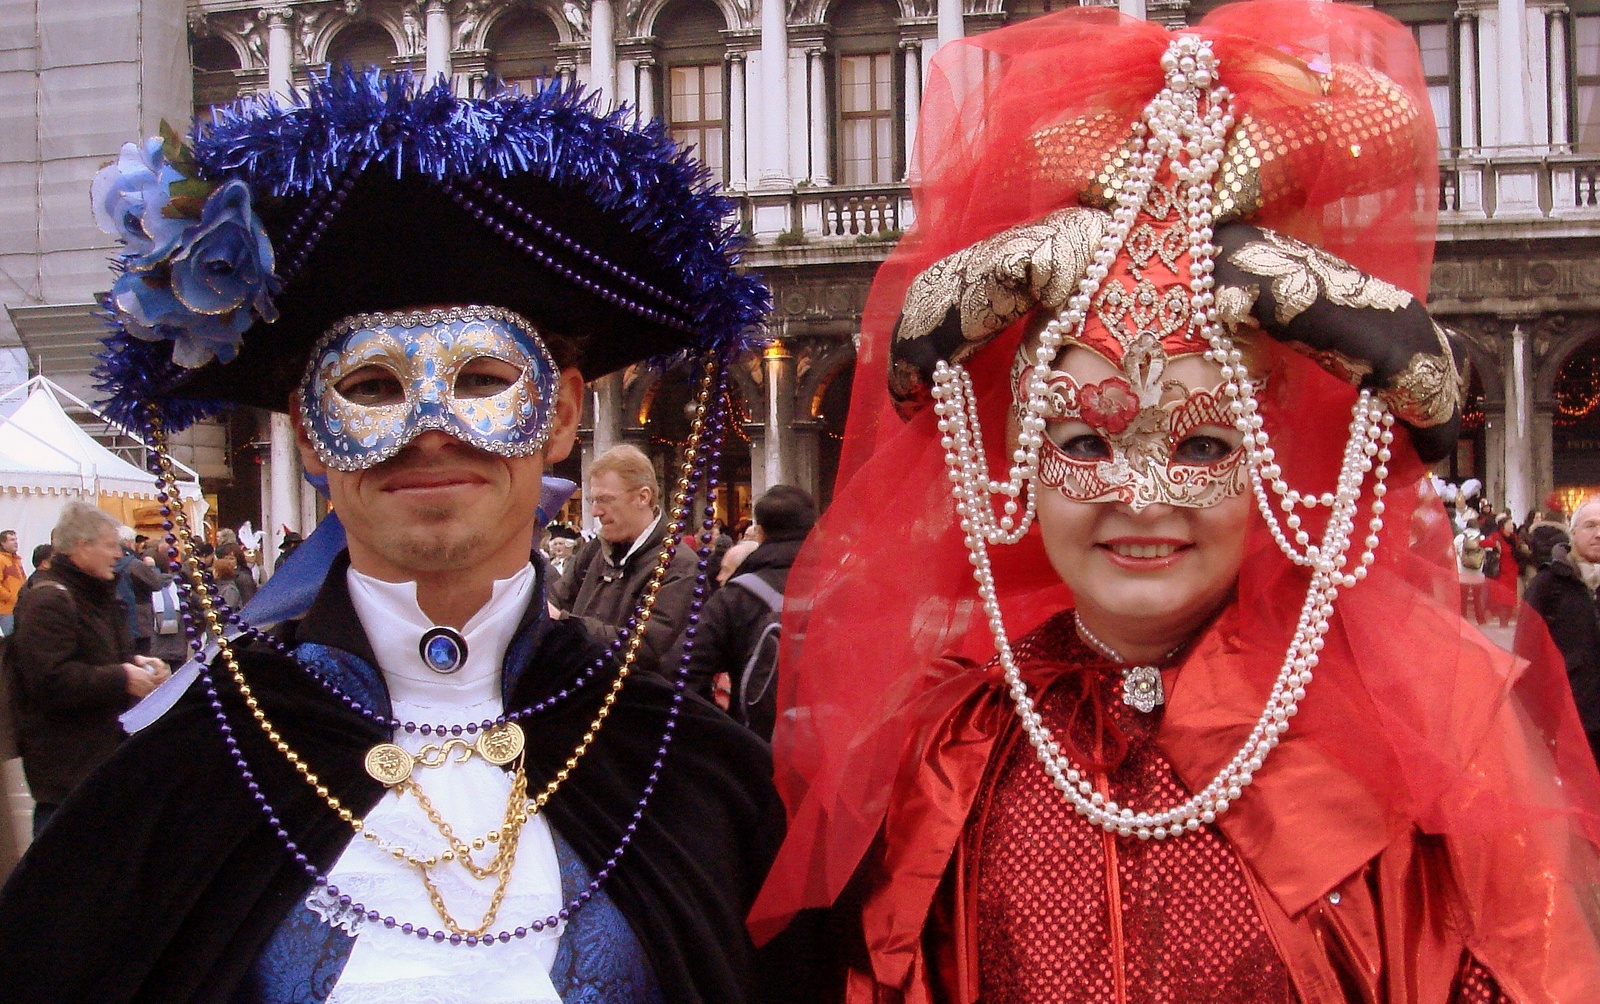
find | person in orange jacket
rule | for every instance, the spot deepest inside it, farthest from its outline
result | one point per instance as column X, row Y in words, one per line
column 11, row 579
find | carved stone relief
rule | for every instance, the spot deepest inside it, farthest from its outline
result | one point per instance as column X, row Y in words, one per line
column 1459, row 282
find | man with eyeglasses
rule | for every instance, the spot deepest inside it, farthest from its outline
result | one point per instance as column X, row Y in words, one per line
column 605, row 578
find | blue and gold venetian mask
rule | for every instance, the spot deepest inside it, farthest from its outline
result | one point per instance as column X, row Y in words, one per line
column 377, row 381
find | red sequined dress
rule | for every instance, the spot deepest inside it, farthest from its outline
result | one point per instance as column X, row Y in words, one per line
column 1039, row 905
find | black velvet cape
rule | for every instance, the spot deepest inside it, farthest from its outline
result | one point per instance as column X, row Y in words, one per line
column 160, row 879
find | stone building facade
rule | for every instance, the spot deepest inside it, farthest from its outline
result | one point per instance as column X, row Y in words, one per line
column 806, row 111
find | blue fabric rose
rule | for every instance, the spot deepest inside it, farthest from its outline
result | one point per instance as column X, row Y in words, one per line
column 226, row 263
column 129, row 199
column 196, row 265
column 147, row 308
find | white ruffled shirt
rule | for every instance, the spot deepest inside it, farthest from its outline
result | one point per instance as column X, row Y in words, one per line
column 387, row 966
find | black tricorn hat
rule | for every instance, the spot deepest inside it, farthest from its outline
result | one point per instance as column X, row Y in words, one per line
column 370, row 195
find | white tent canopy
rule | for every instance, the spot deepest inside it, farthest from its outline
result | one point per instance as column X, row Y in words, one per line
column 46, row 459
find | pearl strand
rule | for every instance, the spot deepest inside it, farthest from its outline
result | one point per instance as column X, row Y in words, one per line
column 1172, row 129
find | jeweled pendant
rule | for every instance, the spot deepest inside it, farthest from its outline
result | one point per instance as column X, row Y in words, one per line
column 443, row 650
column 1141, row 688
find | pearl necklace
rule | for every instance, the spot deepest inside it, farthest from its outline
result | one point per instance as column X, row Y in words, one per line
column 1141, row 684
column 1185, row 126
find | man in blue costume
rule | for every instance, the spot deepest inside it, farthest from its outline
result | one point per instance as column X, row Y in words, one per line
column 419, row 787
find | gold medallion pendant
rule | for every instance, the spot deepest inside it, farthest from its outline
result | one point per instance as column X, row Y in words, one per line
column 388, row 764
column 501, row 744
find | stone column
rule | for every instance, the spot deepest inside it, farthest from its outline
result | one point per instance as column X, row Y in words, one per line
column 1559, row 124
column 605, row 406
column 817, row 110
column 738, row 159
column 1493, row 461
column 755, row 433
column 603, row 52
column 284, row 510
column 912, row 48
column 950, row 23
column 280, row 51
column 1518, row 436
column 778, row 444
column 774, row 145
column 1467, row 44
column 647, row 88
column 1132, row 8
column 1511, row 55
column 438, row 50
column 308, row 506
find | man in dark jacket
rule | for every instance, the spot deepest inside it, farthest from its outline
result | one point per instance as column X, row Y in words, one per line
column 735, row 617
column 605, row 578
column 1563, row 592
column 137, row 581
column 72, row 660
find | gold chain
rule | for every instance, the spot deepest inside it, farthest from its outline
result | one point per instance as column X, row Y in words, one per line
column 190, row 566
column 508, row 851
column 516, row 816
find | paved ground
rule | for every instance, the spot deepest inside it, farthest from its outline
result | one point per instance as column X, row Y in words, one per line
column 1499, row 635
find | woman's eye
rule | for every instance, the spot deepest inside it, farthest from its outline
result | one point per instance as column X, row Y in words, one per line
column 1202, row 450
column 371, row 386
column 1086, row 447
column 486, row 377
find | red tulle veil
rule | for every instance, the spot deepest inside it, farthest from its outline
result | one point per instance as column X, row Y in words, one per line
column 884, row 587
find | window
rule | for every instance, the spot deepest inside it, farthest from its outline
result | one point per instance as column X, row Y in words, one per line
column 866, row 114
column 522, row 46
column 1437, row 70
column 695, row 112
column 216, row 67
column 362, row 44
column 695, row 104
column 1586, row 84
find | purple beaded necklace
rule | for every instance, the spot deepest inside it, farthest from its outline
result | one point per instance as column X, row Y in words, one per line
column 716, row 427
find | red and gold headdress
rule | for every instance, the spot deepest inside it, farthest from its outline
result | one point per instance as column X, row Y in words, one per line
column 1087, row 180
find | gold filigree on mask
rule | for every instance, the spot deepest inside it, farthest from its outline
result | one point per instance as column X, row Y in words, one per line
column 1428, row 391
column 996, row 281
column 1143, row 418
column 1235, row 303
column 1346, row 367
column 1301, row 274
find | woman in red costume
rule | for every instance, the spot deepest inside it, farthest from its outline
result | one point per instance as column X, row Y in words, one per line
column 1241, row 746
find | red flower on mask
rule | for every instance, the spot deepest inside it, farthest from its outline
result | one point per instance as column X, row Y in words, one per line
column 1110, row 405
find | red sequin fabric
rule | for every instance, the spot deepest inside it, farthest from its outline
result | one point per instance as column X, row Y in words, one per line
column 1069, row 914
column 1477, row 986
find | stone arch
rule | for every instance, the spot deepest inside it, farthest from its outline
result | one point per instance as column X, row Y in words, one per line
column 1563, row 345
column 649, row 15
column 232, row 39
column 1487, row 365
column 497, row 15
column 830, row 11
column 825, row 367
column 637, row 395
column 743, row 375
column 328, row 33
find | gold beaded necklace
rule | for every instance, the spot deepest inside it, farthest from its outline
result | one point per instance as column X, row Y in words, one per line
column 518, row 807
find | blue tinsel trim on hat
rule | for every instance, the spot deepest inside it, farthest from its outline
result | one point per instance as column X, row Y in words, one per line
column 635, row 171
column 133, row 372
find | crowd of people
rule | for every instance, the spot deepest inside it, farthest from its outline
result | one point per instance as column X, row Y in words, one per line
column 1166, row 689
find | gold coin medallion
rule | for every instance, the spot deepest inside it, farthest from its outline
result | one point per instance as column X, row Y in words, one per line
column 388, row 764
column 501, row 744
